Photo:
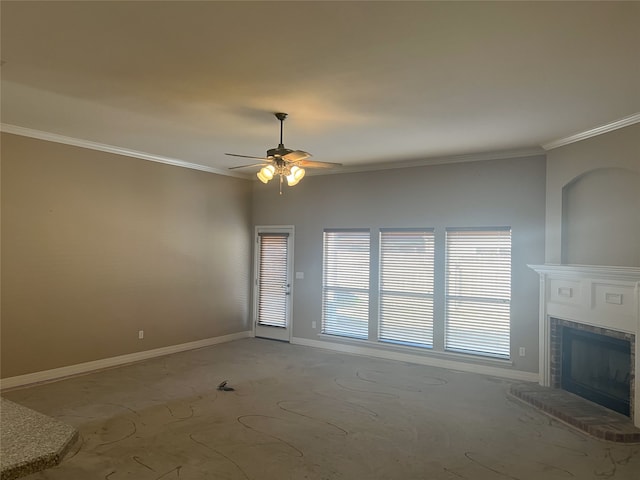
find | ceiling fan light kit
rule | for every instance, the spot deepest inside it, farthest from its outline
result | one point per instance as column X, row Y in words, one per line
column 295, row 176
column 266, row 173
column 284, row 162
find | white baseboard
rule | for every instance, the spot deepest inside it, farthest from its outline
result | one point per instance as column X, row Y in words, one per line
column 80, row 368
column 87, row 367
column 420, row 359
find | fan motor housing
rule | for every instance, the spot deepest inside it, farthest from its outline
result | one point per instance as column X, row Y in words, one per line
column 278, row 152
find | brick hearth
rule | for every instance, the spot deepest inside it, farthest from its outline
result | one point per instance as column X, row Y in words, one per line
column 582, row 414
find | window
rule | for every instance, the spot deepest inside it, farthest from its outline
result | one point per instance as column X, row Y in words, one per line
column 345, row 283
column 478, row 291
column 406, row 287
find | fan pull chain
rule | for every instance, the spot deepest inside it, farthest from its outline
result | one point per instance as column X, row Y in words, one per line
column 280, row 184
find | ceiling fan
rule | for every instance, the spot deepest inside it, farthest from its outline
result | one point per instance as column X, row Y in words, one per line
column 286, row 163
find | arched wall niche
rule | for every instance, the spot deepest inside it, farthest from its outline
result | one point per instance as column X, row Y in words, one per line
column 601, row 218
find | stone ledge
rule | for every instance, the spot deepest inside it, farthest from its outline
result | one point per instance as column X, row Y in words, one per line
column 578, row 412
column 30, row 441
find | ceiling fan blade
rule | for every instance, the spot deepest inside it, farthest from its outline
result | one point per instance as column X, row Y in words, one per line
column 312, row 164
column 248, row 166
column 246, row 156
column 296, row 156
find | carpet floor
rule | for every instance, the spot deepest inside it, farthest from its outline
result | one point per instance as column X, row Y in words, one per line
column 304, row 413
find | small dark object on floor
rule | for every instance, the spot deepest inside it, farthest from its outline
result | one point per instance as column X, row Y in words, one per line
column 224, row 388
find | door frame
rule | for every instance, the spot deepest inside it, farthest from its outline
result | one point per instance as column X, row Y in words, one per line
column 290, row 229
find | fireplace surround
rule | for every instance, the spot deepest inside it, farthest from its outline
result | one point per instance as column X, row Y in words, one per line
column 598, row 300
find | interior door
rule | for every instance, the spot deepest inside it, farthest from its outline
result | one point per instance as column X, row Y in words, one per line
column 273, row 274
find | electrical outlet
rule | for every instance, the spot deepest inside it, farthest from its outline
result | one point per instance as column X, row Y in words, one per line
column 313, row 324
column 522, row 351
column 140, row 334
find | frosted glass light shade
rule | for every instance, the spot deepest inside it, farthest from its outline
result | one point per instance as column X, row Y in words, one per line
column 295, row 176
column 266, row 173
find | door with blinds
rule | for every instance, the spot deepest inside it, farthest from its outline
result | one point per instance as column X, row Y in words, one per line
column 273, row 274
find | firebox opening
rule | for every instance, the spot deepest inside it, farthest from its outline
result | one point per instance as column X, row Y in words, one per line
column 598, row 368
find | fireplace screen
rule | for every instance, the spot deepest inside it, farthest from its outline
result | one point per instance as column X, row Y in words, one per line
column 597, row 367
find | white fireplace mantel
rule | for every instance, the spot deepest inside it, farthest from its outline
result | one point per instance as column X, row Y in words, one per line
column 601, row 296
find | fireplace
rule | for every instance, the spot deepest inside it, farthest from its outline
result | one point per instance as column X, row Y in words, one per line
column 596, row 363
column 589, row 322
column 597, row 367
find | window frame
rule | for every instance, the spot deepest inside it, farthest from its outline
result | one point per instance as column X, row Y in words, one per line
column 400, row 254
column 345, row 287
column 476, row 306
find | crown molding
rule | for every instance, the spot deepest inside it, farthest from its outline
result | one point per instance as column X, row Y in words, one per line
column 76, row 142
column 424, row 162
column 606, row 128
column 473, row 157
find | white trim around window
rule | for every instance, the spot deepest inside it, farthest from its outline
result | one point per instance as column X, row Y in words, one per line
column 478, row 291
column 345, row 283
column 406, row 287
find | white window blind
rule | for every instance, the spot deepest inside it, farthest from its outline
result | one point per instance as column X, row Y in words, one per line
column 272, row 280
column 345, row 283
column 478, row 291
column 406, row 287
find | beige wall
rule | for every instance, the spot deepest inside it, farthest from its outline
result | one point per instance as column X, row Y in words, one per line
column 595, row 183
column 491, row 193
column 97, row 246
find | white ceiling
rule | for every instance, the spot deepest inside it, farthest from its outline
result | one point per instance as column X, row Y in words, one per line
column 364, row 83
